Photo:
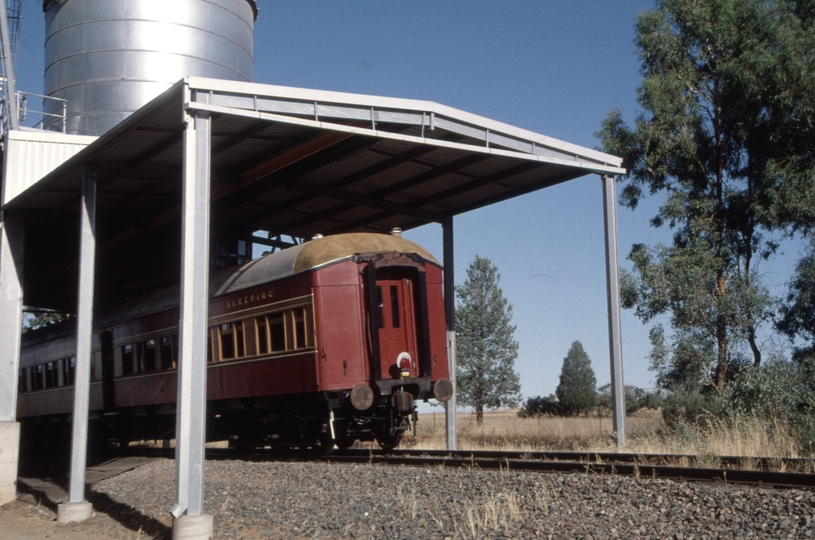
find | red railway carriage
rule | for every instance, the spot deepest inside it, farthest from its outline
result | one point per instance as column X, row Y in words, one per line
column 318, row 345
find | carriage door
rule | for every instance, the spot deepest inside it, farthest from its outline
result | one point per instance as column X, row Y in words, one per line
column 397, row 328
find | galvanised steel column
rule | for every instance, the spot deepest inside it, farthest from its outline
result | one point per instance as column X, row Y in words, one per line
column 77, row 508
column 8, row 68
column 11, row 315
column 615, row 339
column 450, row 311
column 190, row 520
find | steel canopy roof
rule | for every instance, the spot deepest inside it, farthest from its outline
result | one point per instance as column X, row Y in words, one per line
column 287, row 160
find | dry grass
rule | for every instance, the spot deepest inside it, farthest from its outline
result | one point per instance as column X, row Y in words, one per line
column 750, row 437
column 501, row 513
column 646, row 434
column 504, row 430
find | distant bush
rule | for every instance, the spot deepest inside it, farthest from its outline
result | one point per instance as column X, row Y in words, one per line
column 539, row 405
column 635, row 398
column 686, row 406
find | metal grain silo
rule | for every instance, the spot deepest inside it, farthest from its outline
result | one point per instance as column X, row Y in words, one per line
column 107, row 58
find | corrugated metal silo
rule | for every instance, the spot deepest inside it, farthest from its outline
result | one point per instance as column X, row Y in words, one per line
column 107, row 58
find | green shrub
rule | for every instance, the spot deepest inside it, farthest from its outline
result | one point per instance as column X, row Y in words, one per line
column 635, row 398
column 774, row 390
column 686, row 406
column 539, row 405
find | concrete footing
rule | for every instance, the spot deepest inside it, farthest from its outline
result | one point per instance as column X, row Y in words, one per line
column 71, row 512
column 9, row 455
column 192, row 527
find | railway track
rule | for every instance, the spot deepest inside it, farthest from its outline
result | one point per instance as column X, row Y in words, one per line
column 760, row 472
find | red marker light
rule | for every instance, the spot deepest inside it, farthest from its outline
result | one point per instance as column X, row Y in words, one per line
column 403, row 363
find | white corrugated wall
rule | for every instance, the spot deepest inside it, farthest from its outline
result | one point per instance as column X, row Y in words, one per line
column 30, row 155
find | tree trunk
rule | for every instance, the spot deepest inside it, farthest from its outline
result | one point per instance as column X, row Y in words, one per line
column 721, row 339
column 479, row 415
column 751, row 339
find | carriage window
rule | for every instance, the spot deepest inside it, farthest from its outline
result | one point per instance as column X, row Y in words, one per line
column 38, row 375
column 68, row 367
column 263, row 339
column 232, row 340
column 169, row 352
column 139, row 351
column 277, row 330
column 299, row 328
column 50, row 375
column 238, row 326
column 166, row 352
column 210, row 341
column 150, row 355
column 227, row 341
column 381, row 307
column 72, row 370
column 21, row 387
column 93, row 367
column 395, row 305
column 127, row 359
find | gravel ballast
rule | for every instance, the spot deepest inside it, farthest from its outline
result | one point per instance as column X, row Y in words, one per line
column 317, row 500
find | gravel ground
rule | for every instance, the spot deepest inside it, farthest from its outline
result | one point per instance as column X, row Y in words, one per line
column 312, row 500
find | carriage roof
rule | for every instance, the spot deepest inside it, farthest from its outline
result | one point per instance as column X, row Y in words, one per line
column 311, row 255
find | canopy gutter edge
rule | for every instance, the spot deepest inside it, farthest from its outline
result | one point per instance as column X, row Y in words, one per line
column 576, row 162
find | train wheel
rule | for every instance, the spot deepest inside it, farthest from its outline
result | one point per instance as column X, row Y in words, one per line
column 323, row 446
column 344, row 443
column 388, row 441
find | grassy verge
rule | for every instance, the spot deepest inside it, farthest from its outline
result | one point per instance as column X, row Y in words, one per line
column 646, row 433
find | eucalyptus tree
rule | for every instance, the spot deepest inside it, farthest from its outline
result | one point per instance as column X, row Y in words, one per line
column 726, row 96
column 798, row 311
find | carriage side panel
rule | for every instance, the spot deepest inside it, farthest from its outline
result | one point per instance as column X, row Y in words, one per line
column 438, row 334
column 341, row 349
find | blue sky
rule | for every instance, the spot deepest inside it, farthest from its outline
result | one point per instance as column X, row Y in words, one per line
column 551, row 66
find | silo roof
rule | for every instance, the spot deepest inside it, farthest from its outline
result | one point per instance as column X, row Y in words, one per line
column 47, row 4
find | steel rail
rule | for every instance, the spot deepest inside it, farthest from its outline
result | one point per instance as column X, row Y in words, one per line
column 683, row 474
column 595, row 459
column 588, row 463
column 681, row 461
column 686, row 460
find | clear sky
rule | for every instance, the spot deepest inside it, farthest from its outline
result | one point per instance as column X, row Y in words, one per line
column 551, row 66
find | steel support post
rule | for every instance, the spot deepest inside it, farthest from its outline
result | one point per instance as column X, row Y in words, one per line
column 192, row 371
column 11, row 314
column 77, row 509
column 615, row 339
column 8, row 67
column 450, row 312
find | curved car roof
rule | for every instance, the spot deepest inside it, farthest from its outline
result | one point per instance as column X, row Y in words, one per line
column 313, row 254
